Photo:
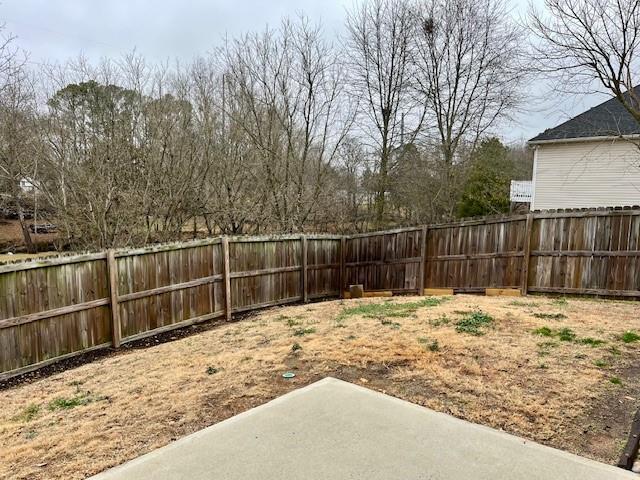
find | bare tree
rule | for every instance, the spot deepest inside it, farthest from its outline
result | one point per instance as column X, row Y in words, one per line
column 232, row 195
column 92, row 174
column 18, row 134
column 380, row 49
column 469, row 70
column 591, row 45
column 288, row 91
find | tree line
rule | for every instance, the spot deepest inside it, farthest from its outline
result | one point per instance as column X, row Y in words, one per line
column 280, row 130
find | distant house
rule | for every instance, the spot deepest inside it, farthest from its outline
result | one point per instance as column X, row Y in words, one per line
column 592, row 160
column 26, row 185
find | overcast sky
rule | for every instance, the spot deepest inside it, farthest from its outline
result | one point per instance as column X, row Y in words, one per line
column 167, row 29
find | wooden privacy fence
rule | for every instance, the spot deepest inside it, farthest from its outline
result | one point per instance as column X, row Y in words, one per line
column 57, row 308
column 54, row 309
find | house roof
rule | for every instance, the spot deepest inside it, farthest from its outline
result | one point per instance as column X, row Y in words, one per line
column 609, row 119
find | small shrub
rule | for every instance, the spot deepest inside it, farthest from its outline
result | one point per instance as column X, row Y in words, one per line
column 592, row 342
column 566, row 335
column 629, row 337
column 473, row 323
column 543, row 331
column 551, row 316
column 543, row 366
column 600, row 363
column 615, row 381
column 300, row 332
column 295, row 347
column 212, row 370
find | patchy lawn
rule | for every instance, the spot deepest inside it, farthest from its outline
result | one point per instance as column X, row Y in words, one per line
column 561, row 372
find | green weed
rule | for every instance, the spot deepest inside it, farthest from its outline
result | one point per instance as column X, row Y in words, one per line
column 211, row 370
column 629, row 337
column 560, row 302
column 432, row 346
column 543, row 331
column 614, row 350
column 441, row 320
column 566, row 335
column 544, row 348
column 520, row 303
column 615, row 381
column 293, row 322
column 593, row 342
column 300, row 332
column 390, row 323
column 62, row 403
column 389, row 309
column 29, row 413
column 552, row 316
column 601, row 363
column 474, row 322
column 295, row 347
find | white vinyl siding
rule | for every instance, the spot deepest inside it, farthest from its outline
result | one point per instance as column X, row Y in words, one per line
column 586, row 174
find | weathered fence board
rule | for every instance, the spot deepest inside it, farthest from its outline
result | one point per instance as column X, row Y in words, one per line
column 323, row 267
column 56, row 308
column 158, row 289
column 586, row 254
column 52, row 311
column 384, row 260
column 472, row 256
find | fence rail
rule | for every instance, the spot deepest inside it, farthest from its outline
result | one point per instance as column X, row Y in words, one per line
column 55, row 308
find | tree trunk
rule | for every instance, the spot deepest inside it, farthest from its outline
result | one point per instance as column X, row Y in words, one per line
column 382, row 187
column 25, row 230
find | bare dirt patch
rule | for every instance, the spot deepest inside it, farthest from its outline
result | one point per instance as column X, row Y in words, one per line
column 558, row 372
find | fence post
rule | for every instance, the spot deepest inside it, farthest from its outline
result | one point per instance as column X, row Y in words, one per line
column 226, row 278
column 423, row 260
column 303, row 269
column 343, row 243
column 524, row 283
column 112, row 268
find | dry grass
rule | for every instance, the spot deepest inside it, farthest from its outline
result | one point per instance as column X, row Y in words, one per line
column 82, row 421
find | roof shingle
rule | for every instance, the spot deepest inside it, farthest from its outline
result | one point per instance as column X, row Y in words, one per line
column 605, row 120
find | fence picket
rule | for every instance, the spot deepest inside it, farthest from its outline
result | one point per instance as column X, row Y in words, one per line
column 112, row 268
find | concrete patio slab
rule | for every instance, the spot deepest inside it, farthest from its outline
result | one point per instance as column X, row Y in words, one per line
column 335, row 430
